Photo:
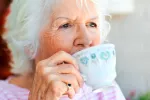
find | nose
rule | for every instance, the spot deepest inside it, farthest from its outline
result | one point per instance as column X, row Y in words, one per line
column 83, row 38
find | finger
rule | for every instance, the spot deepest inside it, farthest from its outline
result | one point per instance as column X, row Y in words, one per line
column 64, row 69
column 69, row 69
column 61, row 57
column 66, row 78
column 58, row 88
column 35, row 87
column 70, row 79
column 71, row 93
column 43, row 90
column 55, row 90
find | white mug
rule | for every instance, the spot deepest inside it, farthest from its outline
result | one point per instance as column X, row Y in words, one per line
column 97, row 65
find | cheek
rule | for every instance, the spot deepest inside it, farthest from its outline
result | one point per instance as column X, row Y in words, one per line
column 52, row 44
column 96, row 39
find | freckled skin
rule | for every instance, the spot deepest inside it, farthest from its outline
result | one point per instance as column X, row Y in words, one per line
column 72, row 39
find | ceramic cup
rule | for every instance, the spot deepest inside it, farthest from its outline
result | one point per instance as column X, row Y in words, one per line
column 97, row 65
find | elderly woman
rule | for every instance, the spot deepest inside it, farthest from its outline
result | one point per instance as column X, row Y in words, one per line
column 43, row 37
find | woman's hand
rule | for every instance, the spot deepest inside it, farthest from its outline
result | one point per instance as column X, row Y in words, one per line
column 52, row 76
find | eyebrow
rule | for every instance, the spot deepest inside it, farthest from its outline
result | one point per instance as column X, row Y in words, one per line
column 93, row 18
column 62, row 18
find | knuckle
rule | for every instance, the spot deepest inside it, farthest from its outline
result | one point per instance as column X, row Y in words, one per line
column 55, row 89
column 48, row 78
column 62, row 53
column 39, row 66
column 41, row 63
column 40, row 70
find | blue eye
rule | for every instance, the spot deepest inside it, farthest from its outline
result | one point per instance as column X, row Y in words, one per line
column 92, row 24
column 65, row 25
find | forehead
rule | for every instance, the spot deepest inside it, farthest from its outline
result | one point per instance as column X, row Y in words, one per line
column 74, row 8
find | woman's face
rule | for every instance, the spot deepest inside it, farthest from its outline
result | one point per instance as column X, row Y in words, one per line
column 71, row 29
